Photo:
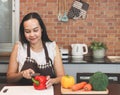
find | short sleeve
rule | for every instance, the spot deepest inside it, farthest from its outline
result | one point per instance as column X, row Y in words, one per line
column 51, row 47
column 21, row 54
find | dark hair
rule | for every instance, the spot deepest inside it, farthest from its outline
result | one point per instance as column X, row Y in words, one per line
column 34, row 15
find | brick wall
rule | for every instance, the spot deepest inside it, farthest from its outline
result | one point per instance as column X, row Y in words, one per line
column 102, row 23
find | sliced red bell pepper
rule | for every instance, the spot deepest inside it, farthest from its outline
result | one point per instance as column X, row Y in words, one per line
column 39, row 82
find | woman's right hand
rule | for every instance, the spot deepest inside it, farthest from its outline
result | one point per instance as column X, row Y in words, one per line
column 27, row 73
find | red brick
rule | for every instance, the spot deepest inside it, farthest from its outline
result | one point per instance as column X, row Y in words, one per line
column 102, row 23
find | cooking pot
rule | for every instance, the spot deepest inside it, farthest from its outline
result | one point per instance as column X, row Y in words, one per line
column 79, row 49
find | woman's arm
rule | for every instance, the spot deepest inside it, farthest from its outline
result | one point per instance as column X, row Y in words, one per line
column 59, row 69
column 12, row 74
column 58, row 65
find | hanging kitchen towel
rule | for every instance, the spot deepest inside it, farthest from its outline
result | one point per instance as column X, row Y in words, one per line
column 78, row 10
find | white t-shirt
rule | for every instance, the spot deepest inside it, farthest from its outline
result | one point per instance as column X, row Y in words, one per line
column 39, row 57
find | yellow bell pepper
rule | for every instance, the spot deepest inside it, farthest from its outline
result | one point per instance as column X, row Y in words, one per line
column 67, row 81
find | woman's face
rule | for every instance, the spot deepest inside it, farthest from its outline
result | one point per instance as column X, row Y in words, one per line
column 32, row 31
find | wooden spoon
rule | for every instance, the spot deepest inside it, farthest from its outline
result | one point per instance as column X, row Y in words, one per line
column 59, row 11
column 64, row 17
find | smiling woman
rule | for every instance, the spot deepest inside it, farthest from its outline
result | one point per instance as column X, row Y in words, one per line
column 34, row 53
column 9, row 16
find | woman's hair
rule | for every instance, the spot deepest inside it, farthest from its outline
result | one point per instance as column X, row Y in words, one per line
column 34, row 15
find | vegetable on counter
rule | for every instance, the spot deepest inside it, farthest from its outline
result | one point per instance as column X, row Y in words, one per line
column 99, row 81
column 39, row 82
column 87, row 87
column 67, row 81
column 78, row 86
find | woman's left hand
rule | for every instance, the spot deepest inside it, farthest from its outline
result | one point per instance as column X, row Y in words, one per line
column 50, row 81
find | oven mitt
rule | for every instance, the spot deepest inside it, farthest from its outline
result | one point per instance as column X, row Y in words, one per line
column 78, row 10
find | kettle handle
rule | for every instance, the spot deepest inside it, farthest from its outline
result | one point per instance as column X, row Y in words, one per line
column 86, row 49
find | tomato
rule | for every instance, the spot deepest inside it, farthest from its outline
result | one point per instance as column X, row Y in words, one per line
column 67, row 81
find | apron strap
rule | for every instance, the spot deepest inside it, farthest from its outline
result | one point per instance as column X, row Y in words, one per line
column 28, row 50
column 48, row 59
column 46, row 53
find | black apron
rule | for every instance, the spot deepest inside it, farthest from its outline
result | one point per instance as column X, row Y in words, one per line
column 46, row 69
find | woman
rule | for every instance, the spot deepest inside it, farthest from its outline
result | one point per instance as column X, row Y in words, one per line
column 34, row 53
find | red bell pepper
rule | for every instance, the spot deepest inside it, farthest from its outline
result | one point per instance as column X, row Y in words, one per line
column 39, row 82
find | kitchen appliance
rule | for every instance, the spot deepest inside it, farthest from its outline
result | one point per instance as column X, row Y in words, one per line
column 78, row 50
column 64, row 53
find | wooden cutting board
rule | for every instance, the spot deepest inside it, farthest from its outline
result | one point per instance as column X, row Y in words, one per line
column 69, row 91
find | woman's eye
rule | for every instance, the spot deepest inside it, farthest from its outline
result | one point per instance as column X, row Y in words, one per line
column 26, row 31
column 35, row 30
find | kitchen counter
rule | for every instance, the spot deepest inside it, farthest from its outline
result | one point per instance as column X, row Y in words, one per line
column 70, row 60
column 114, row 89
column 74, row 66
column 89, row 60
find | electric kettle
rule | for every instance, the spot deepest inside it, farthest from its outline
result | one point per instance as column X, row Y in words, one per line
column 79, row 49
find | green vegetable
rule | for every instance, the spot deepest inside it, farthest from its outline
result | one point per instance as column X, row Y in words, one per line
column 99, row 81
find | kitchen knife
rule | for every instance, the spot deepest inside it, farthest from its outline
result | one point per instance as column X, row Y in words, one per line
column 35, row 74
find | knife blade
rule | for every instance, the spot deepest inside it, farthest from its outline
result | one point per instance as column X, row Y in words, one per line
column 35, row 74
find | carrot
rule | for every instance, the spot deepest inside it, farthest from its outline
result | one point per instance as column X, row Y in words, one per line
column 87, row 87
column 78, row 86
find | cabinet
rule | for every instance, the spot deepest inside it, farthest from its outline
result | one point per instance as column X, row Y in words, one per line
column 4, row 64
column 3, row 68
column 3, row 78
column 72, row 68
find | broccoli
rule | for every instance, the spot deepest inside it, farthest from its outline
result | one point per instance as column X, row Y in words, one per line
column 99, row 81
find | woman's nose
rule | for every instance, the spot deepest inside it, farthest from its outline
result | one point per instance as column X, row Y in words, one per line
column 32, row 33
